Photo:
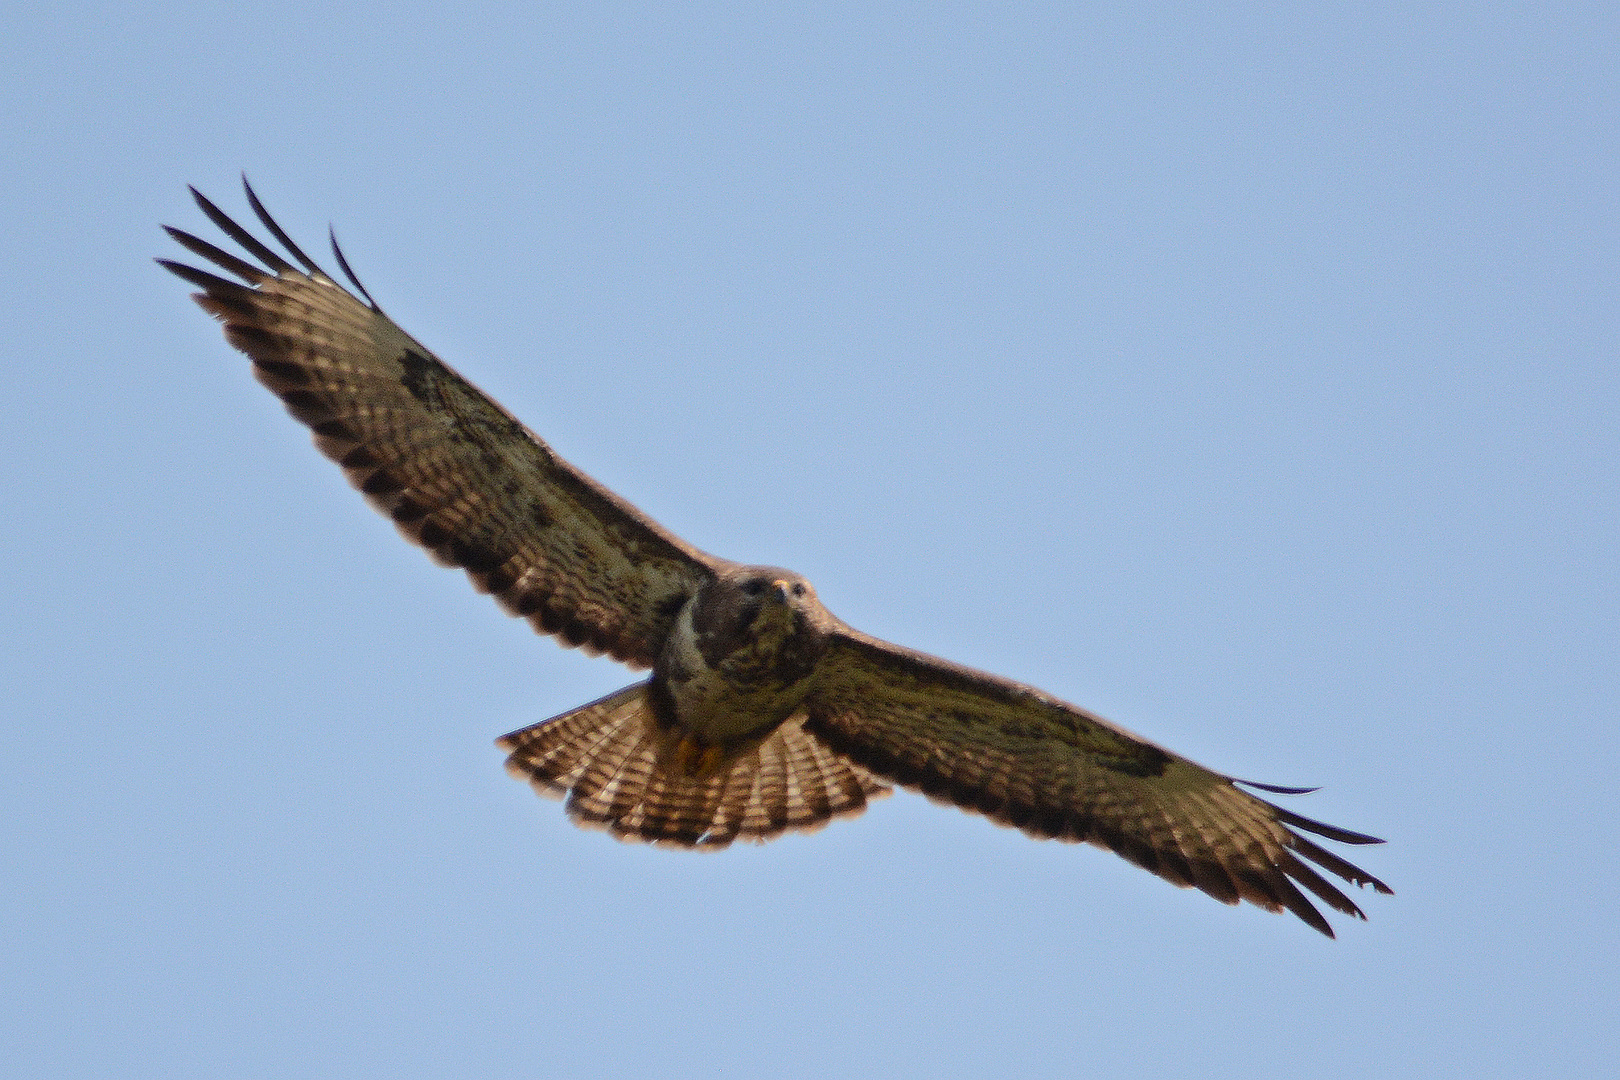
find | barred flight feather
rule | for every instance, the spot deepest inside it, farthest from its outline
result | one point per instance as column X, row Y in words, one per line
column 610, row 759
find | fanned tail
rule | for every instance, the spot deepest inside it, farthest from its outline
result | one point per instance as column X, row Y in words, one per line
column 622, row 770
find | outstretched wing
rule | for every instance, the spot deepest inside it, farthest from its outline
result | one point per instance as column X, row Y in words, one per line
column 1024, row 758
column 456, row 472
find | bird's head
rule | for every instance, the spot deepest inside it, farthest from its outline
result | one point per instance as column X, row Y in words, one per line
column 768, row 596
column 756, row 606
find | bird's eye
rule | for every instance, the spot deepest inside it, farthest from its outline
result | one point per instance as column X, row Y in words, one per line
column 798, row 588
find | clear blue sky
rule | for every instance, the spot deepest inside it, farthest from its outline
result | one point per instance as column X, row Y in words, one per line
column 1248, row 376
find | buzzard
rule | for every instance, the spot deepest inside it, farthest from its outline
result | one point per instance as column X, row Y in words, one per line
column 764, row 713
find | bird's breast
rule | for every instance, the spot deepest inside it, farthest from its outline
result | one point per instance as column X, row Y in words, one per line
column 737, row 694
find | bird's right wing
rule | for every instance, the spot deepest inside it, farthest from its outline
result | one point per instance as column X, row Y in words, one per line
column 456, row 472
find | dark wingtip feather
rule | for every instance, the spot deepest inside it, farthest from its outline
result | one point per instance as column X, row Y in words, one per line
column 1319, row 885
column 343, row 264
column 276, row 230
column 230, row 228
column 1332, row 832
column 1334, row 864
column 216, row 287
column 1296, row 902
column 1275, row 789
column 240, row 267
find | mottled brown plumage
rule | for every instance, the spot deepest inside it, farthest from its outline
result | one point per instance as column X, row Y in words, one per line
column 764, row 713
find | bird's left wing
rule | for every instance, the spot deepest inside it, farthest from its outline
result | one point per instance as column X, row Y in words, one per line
column 456, row 472
column 1024, row 758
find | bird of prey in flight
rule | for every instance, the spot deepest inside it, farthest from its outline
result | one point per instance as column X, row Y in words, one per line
column 764, row 713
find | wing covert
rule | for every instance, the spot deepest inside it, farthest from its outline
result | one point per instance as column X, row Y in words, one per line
column 456, row 473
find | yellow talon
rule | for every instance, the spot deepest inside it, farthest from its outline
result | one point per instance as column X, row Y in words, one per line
column 692, row 758
column 685, row 751
column 709, row 763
